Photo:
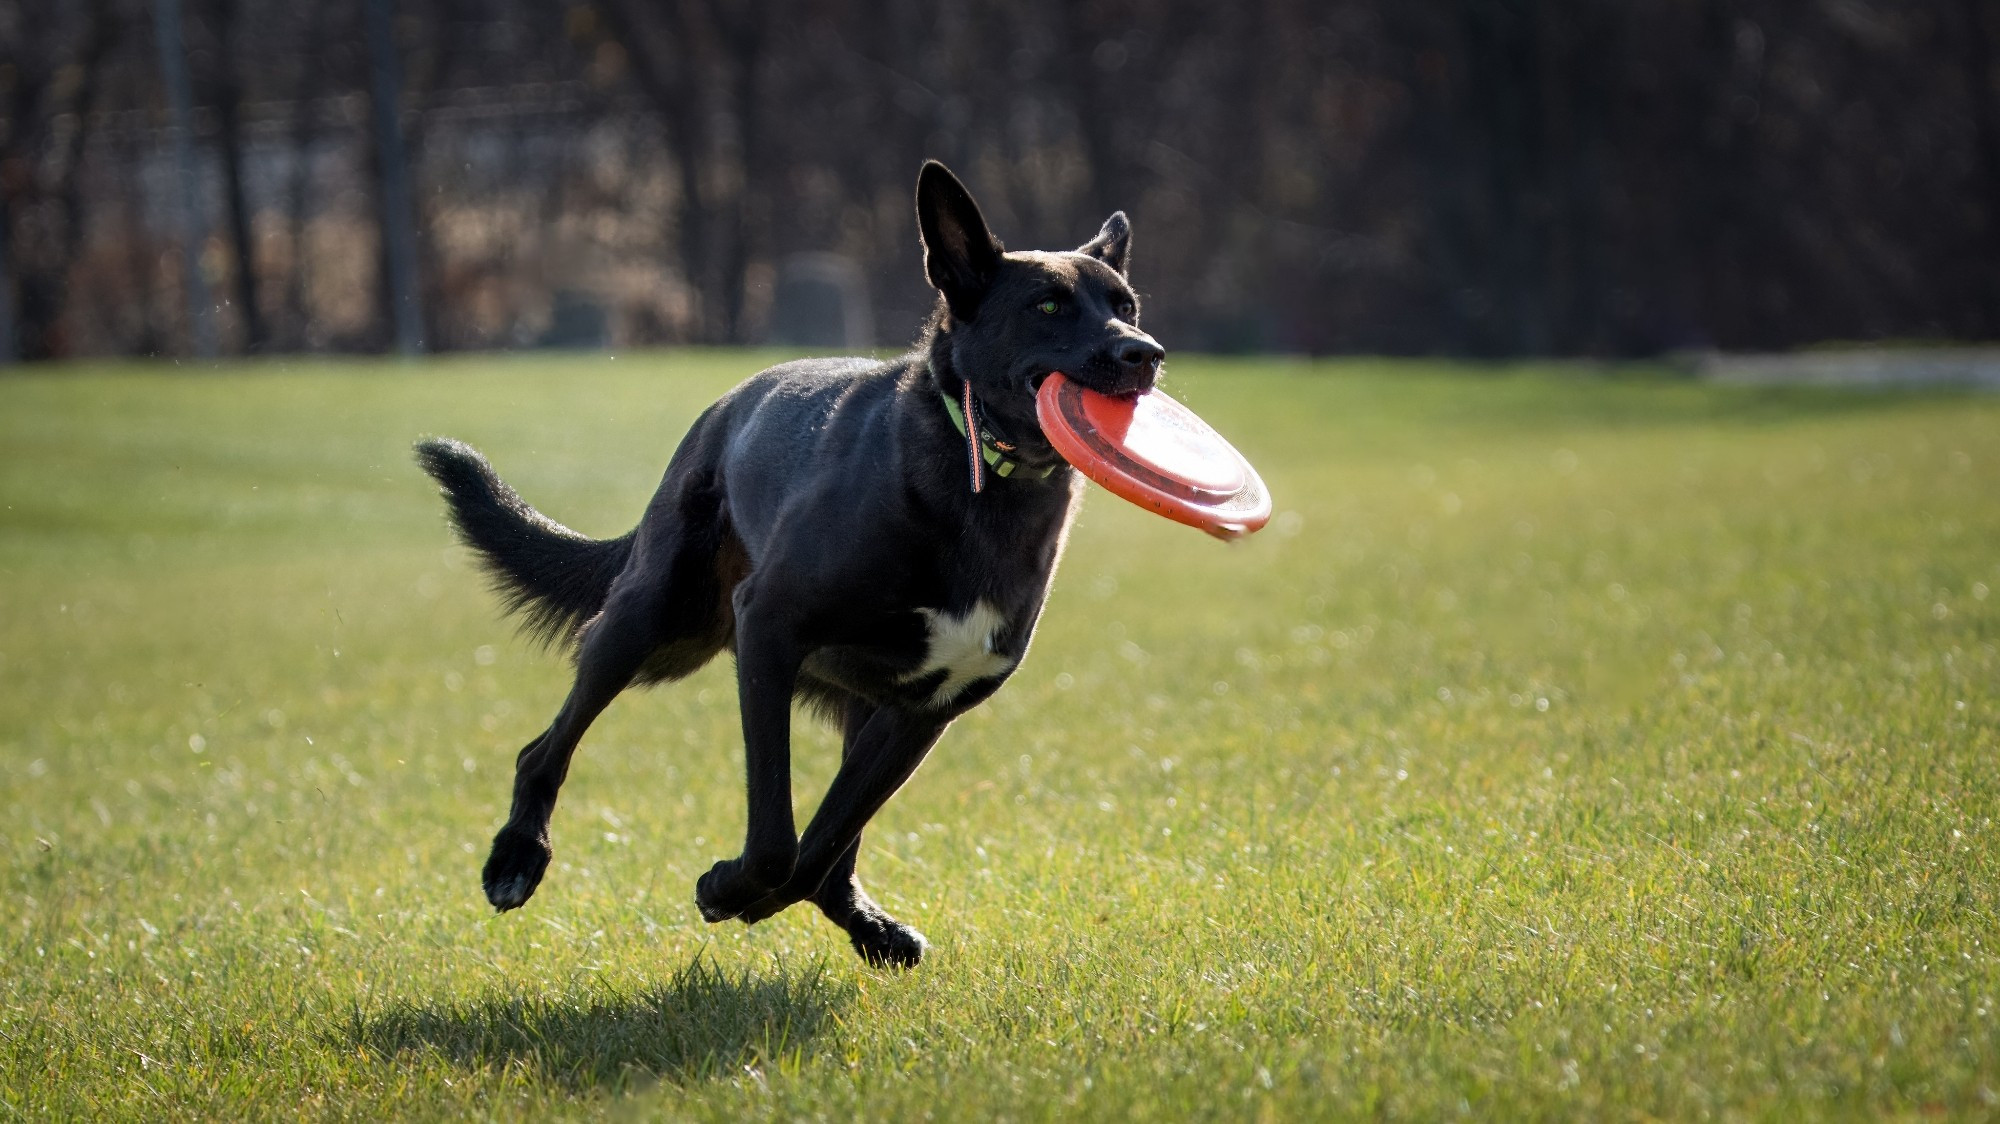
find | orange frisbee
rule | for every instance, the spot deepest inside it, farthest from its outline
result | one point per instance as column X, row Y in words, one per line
column 1155, row 452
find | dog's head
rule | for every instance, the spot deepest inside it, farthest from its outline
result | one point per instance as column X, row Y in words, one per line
column 1008, row 319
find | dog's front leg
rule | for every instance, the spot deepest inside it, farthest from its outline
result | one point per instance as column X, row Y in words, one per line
column 880, row 939
column 767, row 668
column 882, row 753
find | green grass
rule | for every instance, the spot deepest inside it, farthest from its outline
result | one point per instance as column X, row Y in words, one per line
column 1591, row 748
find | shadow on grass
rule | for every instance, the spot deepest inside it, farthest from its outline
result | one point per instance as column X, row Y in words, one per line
column 702, row 1024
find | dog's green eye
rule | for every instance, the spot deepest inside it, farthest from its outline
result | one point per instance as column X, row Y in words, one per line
column 1049, row 307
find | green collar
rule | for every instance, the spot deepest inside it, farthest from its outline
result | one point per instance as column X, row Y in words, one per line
column 1003, row 465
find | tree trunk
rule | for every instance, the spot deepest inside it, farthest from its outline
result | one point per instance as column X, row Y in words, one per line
column 394, row 198
column 305, row 129
column 229, row 104
column 676, row 99
column 742, row 25
column 194, row 231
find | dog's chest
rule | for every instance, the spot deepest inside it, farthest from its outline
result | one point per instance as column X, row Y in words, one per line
column 966, row 648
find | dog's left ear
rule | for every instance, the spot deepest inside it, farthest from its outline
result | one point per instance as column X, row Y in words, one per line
column 1113, row 244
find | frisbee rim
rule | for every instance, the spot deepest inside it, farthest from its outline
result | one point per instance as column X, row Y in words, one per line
column 1059, row 404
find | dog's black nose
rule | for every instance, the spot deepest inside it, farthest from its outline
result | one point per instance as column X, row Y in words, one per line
column 1139, row 355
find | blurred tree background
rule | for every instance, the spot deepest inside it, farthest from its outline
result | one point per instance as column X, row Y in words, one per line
column 1487, row 178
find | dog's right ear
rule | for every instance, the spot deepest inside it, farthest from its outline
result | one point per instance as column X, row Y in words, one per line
column 961, row 256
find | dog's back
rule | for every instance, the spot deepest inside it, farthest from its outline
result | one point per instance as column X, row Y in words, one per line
column 792, row 441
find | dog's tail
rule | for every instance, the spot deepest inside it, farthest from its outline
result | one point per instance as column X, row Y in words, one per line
column 555, row 578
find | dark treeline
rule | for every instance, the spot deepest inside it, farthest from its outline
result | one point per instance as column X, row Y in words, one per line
column 1492, row 177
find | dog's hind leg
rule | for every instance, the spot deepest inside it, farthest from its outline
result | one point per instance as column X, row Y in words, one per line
column 615, row 645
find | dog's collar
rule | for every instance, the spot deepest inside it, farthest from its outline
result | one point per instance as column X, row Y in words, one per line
column 990, row 449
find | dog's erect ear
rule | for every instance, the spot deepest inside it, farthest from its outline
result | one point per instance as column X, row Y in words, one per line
column 961, row 256
column 1113, row 244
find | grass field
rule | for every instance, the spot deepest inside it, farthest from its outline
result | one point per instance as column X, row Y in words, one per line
column 1568, row 747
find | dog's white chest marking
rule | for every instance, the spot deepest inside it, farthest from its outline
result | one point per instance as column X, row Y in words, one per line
column 962, row 648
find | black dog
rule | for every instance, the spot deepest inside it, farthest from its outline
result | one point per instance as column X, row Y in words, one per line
column 831, row 522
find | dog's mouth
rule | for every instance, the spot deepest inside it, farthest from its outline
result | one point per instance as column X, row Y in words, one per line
column 1116, row 385
column 1134, row 385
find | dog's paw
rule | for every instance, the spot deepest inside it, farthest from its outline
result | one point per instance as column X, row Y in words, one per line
column 515, row 867
column 717, row 894
column 733, row 888
column 885, row 942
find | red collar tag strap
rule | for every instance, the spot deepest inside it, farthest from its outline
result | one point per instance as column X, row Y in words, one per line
column 972, row 436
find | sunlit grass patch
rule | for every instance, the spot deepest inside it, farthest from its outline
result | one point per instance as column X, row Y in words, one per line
column 1567, row 746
